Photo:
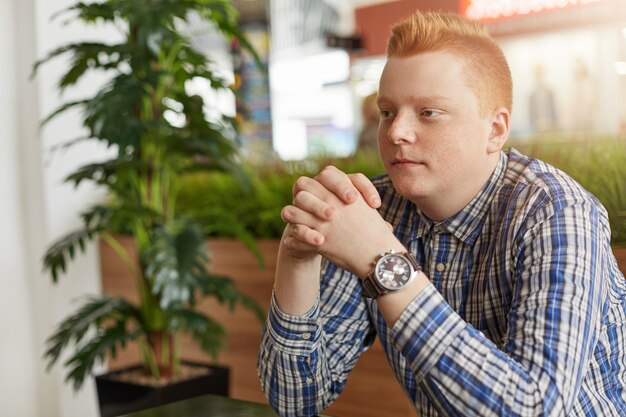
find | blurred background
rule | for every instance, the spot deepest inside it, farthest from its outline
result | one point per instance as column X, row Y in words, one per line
column 568, row 60
column 309, row 105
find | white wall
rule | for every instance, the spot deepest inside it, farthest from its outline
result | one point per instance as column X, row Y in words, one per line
column 36, row 208
column 62, row 203
column 17, row 351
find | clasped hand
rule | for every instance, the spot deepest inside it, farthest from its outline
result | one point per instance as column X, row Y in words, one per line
column 334, row 215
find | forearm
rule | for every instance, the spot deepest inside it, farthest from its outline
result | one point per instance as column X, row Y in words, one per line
column 469, row 375
column 393, row 304
column 288, row 347
column 304, row 360
column 296, row 284
column 482, row 380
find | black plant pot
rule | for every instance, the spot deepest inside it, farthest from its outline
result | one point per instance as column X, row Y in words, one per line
column 117, row 397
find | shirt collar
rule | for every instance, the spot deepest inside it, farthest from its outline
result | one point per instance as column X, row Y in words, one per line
column 467, row 223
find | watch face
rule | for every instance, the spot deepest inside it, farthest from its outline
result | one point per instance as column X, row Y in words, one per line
column 393, row 271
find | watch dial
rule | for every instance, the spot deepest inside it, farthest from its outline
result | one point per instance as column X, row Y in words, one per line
column 393, row 271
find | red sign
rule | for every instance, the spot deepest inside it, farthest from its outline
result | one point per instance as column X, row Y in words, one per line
column 489, row 10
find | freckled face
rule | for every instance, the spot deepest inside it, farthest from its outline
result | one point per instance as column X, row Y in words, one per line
column 433, row 139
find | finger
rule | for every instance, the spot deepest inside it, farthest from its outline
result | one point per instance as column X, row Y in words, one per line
column 301, row 237
column 338, row 183
column 365, row 187
column 300, row 184
column 295, row 246
column 295, row 215
column 390, row 226
column 310, row 203
column 312, row 186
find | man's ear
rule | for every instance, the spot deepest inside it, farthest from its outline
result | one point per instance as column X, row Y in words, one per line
column 500, row 126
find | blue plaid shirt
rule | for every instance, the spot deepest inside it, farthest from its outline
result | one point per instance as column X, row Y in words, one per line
column 526, row 313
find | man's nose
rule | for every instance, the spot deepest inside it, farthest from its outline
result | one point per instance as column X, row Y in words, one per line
column 402, row 129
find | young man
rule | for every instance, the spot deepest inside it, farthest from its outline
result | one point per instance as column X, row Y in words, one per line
column 496, row 292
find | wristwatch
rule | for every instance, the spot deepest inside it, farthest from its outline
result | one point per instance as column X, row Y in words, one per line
column 392, row 272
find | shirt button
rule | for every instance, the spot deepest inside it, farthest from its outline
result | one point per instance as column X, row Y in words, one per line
column 306, row 336
column 309, row 380
column 441, row 267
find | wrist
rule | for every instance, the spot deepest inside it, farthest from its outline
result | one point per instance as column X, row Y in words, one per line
column 393, row 272
column 369, row 258
column 296, row 284
column 296, row 265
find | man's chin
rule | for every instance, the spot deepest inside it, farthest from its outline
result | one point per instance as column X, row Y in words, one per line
column 408, row 189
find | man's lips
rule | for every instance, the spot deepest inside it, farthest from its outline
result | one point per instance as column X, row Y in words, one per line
column 405, row 161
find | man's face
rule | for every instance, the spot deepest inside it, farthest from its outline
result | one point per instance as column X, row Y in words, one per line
column 433, row 140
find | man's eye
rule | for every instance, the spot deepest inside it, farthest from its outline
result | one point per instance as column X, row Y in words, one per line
column 385, row 114
column 430, row 113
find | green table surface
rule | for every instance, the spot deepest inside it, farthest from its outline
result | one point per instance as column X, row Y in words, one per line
column 208, row 406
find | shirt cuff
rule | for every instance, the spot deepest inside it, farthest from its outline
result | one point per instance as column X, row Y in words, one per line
column 294, row 335
column 425, row 330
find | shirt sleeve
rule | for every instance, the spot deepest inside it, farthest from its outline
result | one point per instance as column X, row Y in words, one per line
column 553, row 325
column 304, row 361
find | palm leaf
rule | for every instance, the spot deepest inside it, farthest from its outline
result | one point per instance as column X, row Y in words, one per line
column 125, row 213
column 224, row 290
column 207, row 332
column 111, row 115
column 96, row 219
column 62, row 109
column 177, row 260
column 105, row 342
column 89, row 56
column 85, row 56
column 219, row 221
column 91, row 12
column 64, row 249
column 103, row 172
column 92, row 316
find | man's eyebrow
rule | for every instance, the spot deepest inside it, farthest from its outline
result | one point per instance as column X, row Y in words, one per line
column 420, row 99
column 381, row 99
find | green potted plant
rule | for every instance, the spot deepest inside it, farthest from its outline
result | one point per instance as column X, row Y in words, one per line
column 159, row 132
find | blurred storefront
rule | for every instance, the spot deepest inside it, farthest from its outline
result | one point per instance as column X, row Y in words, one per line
column 568, row 59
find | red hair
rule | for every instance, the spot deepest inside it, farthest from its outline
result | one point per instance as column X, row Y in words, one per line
column 488, row 72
